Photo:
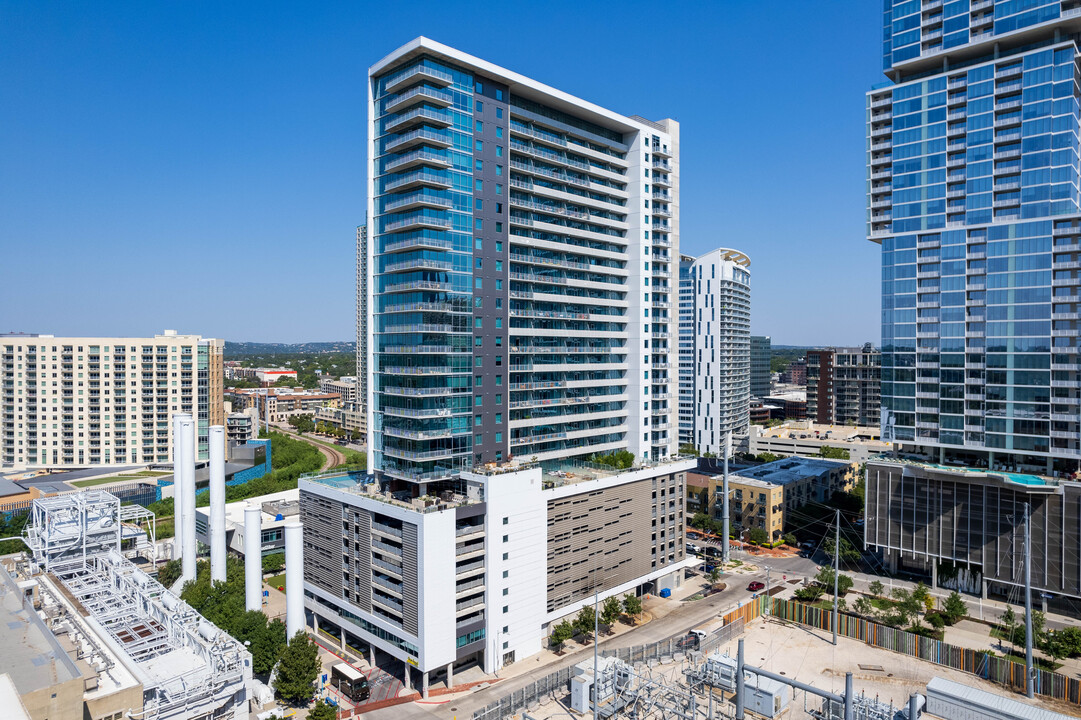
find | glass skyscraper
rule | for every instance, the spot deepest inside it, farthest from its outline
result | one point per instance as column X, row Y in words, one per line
column 972, row 191
column 522, row 250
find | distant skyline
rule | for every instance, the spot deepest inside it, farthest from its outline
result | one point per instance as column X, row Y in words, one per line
column 201, row 167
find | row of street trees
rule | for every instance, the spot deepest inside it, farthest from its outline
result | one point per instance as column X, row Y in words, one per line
column 583, row 623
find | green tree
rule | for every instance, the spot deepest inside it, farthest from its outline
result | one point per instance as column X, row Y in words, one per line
column 285, row 381
column 169, row 573
column 620, row 459
column 791, row 540
column 954, row 608
column 561, row 633
column 11, row 529
column 809, row 594
column 688, row 449
column 758, row 536
column 849, row 554
column 610, row 610
column 273, row 562
column 876, row 588
column 585, row 620
column 768, row 457
column 825, row 579
column 833, row 453
column 1009, row 623
column 714, row 576
column 700, row 521
column 267, row 647
column 298, row 669
column 1070, row 640
column 864, row 607
column 323, row 711
column 632, row 605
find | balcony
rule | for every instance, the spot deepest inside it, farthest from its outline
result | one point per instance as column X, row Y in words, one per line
column 415, row 158
column 418, row 73
column 417, row 222
column 419, row 116
column 420, row 94
column 416, row 179
column 882, row 102
column 422, row 136
column 881, row 145
column 418, row 264
column 662, row 165
column 417, row 200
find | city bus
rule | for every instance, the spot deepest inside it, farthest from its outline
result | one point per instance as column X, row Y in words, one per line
column 349, row 682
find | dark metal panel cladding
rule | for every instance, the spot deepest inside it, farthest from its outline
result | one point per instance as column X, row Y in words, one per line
column 410, row 588
column 362, row 558
column 323, row 545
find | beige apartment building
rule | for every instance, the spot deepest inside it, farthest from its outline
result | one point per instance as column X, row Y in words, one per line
column 70, row 402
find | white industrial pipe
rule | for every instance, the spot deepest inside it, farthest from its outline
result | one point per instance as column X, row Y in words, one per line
column 217, row 503
column 187, row 500
column 178, row 480
column 294, row 579
column 253, row 557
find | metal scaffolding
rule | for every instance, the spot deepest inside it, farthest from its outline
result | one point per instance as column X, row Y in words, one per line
column 187, row 666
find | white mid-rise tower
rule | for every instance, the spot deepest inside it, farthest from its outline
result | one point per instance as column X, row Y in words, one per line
column 722, row 347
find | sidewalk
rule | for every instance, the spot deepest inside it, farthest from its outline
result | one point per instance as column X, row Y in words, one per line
column 978, row 609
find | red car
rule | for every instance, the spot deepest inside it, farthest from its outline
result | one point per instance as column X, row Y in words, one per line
column 755, row 586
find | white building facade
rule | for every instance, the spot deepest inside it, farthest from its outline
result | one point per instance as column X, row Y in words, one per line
column 70, row 402
column 512, row 550
column 722, row 352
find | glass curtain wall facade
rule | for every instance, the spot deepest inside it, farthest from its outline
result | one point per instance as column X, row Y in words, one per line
column 686, row 351
column 761, row 356
column 973, row 194
column 521, row 246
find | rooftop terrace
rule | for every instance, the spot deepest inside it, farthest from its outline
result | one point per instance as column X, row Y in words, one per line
column 792, row 469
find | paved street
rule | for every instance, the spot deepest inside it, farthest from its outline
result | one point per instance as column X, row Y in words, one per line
column 682, row 618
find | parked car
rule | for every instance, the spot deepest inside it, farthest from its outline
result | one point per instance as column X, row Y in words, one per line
column 755, row 586
column 713, row 551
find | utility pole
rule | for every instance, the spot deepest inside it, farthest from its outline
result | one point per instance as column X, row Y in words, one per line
column 596, row 628
column 1028, row 607
column 767, row 591
column 836, row 575
column 724, row 503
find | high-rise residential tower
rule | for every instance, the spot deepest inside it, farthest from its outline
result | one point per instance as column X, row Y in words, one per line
column 843, row 385
column 686, row 351
column 972, row 191
column 360, row 406
column 722, row 347
column 760, row 366
column 70, row 402
column 522, row 247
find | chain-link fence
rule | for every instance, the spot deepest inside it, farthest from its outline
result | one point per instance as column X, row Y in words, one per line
column 555, row 685
column 664, row 650
column 547, row 688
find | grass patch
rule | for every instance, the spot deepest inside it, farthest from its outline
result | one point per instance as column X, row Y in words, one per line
column 736, row 563
column 276, row 580
column 696, row 596
column 883, row 603
column 1039, row 662
column 104, row 480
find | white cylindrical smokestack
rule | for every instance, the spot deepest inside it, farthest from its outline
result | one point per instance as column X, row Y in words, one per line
column 253, row 558
column 178, row 480
column 294, row 578
column 187, row 500
column 217, row 503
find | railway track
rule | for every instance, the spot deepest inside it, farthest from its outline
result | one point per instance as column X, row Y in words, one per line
column 332, row 456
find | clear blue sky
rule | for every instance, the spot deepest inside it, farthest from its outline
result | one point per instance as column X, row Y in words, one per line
column 200, row 165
